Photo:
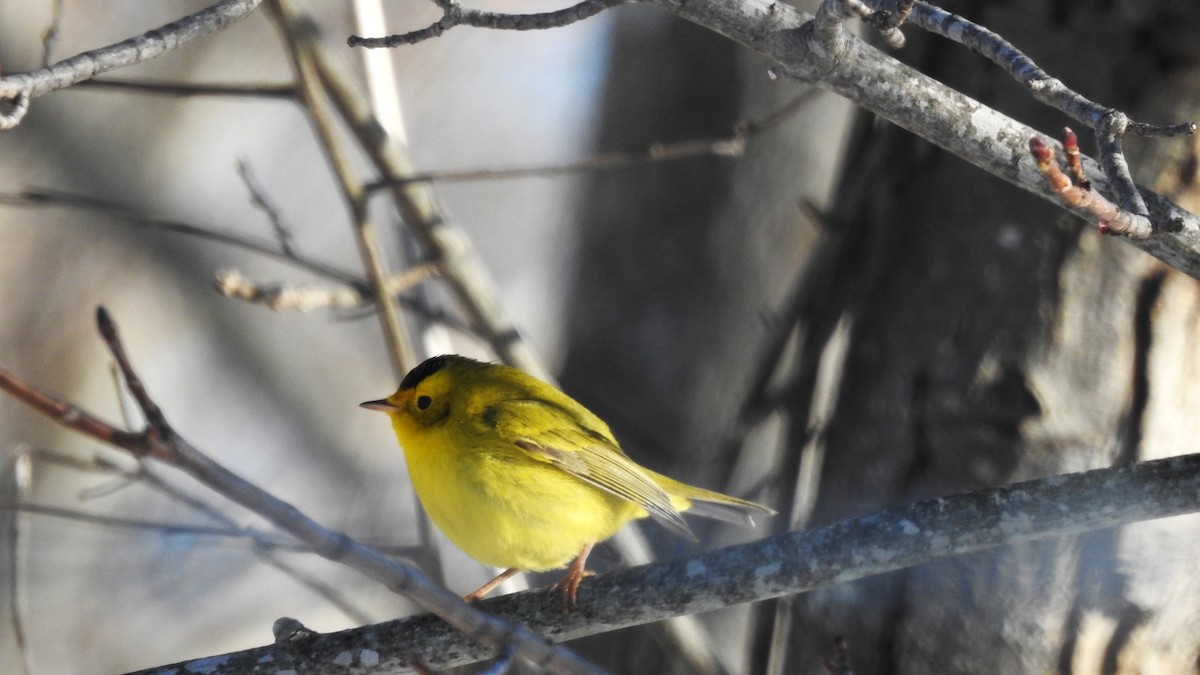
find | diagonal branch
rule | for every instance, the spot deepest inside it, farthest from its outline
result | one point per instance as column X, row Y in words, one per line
column 445, row 243
column 21, row 87
column 320, row 112
column 38, row 197
column 159, row 440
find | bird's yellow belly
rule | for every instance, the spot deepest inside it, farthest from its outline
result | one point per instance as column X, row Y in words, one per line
column 508, row 510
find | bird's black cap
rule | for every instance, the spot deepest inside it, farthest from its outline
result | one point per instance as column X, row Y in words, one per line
column 423, row 370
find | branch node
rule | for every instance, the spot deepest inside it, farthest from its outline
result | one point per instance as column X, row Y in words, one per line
column 1111, row 219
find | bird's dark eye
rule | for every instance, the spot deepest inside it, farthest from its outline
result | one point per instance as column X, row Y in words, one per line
column 423, row 402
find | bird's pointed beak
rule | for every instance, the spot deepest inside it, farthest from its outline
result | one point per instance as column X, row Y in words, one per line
column 382, row 405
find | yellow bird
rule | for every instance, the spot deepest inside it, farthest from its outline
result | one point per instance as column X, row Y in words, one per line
column 521, row 476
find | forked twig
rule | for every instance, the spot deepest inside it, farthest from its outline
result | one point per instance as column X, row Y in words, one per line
column 1112, row 218
column 454, row 14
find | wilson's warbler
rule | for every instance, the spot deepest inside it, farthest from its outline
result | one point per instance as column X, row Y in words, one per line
column 521, row 476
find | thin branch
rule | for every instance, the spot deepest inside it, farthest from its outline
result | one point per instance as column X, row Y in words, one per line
column 447, row 246
column 164, row 529
column 454, row 14
column 795, row 562
column 727, row 147
column 1023, row 69
column 160, row 441
column 37, row 197
column 264, row 549
column 259, row 198
column 731, row 146
column 268, row 91
column 40, row 198
column 21, row 87
column 277, row 297
column 1109, row 124
column 320, row 113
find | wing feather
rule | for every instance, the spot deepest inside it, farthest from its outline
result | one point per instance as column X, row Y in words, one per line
column 551, row 434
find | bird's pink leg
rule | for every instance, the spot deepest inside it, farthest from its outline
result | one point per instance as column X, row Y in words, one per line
column 490, row 586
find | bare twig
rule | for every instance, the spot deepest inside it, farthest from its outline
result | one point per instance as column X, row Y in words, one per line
column 730, row 146
column 446, row 245
column 258, row 197
column 454, row 14
column 795, row 562
column 21, row 87
column 723, row 147
column 1024, row 70
column 160, row 441
column 39, row 198
column 265, row 549
column 269, row 91
column 320, row 111
column 165, row 529
column 306, row 299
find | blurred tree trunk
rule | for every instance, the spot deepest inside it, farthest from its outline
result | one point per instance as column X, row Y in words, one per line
column 682, row 265
column 990, row 338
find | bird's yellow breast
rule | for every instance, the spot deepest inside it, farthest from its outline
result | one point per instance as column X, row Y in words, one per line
column 504, row 508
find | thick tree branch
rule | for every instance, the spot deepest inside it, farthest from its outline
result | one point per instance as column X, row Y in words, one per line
column 791, row 563
column 965, row 127
column 19, row 88
column 819, row 51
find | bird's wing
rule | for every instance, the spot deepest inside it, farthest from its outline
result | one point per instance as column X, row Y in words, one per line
column 588, row 454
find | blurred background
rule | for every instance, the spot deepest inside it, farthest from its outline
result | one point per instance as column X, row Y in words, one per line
column 840, row 319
